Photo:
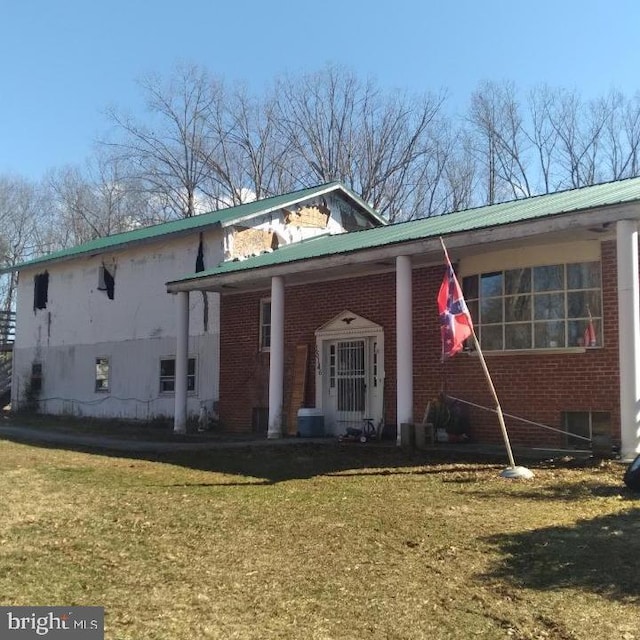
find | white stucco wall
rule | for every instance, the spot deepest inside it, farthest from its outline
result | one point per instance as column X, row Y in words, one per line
column 134, row 330
column 137, row 328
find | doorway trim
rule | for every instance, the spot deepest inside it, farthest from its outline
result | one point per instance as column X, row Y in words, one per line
column 347, row 326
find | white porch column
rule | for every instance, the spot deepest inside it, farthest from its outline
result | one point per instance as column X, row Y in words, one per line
column 629, row 337
column 404, row 340
column 182, row 357
column 276, row 358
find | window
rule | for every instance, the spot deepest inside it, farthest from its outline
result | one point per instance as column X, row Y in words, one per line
column 40, row 290
column 375, row 364
column 102, row 374
column 168, row 375
column 547, row 307
column 332, row 366
column 588, row 426
column 265, row 324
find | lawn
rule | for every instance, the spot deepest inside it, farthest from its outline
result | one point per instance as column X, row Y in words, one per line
column 314, row 541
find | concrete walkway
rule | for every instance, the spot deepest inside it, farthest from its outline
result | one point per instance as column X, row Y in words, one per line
column 42, row 435
column 203, row 442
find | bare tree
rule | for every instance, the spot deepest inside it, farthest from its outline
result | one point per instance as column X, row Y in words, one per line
column 543, row 135
column 376, row 143
column 579, row 128
column 173, row 155
column 96, row 201
column 253, row 159
column 206, row 146
column 502, row 145
column 621, row 136
column 561, row 142
column 23, row 236
column 268, row 165
column 460, row 175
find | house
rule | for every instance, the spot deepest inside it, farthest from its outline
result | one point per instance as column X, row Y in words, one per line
column 96, row 330
column 348, row 324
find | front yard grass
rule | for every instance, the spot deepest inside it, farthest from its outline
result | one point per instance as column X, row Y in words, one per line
column 328, row 541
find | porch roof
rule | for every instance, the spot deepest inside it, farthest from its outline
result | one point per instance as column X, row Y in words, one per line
column 597, row 206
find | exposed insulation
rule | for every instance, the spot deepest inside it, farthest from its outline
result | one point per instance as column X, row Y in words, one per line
column 316, row 217
column 248, row 242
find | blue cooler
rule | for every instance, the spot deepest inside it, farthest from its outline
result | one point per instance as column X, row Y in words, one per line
column 310, row 423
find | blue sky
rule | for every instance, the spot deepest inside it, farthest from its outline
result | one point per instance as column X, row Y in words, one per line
column 63, row 62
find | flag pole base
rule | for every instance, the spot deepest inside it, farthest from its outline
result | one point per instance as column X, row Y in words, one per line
column 517, row 473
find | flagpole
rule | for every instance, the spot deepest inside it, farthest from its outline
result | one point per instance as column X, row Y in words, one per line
column 513, row 471
column 503, row 427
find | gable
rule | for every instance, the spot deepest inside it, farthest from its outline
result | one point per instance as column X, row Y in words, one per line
column 347, row 322
column 325, row 214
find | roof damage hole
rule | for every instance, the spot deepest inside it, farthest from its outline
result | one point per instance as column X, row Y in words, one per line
column 200, row 258
column 40, row 290
column 205, row 300
column 106, row 282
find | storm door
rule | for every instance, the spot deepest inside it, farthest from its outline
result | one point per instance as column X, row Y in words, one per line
column 350, row 382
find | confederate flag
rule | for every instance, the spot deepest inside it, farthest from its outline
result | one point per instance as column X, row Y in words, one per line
column 455, row 320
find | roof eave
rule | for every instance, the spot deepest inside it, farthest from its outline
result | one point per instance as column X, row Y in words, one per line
column 93, row 252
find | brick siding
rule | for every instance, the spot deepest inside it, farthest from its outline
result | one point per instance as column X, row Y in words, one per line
column 535, row 386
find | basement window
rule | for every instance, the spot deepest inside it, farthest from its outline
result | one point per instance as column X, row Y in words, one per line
column 40, row 290
column 168, row 375
column 102, row 375
column 106, row 282
column 265, row 324
column 590, row 426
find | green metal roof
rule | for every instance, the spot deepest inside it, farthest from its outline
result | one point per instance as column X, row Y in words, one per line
column 536, row 207
column 222, row 217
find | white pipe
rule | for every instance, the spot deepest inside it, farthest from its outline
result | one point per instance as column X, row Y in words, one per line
column 181, row 365
column 404, row 342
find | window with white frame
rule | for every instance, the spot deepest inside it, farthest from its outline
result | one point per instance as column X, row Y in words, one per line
column 102, row 374
column 168, row 375
column 544, row 307
column 265, row 324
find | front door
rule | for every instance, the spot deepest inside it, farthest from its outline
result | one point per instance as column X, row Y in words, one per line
column 349, row 373
column 350, row 384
